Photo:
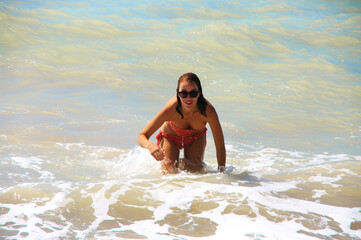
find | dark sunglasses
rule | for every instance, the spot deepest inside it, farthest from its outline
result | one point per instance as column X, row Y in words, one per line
column 184, row 93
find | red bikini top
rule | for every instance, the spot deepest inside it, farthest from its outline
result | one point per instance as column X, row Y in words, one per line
column 180, row 131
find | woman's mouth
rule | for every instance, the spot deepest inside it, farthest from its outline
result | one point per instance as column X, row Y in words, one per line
column 188, row 103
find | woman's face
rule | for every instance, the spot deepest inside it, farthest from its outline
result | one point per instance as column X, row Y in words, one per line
column 188, row 103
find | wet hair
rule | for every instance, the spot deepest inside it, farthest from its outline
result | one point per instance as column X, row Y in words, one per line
column 201, row 102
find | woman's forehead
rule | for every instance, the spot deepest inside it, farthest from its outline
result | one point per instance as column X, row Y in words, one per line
column 188, row 85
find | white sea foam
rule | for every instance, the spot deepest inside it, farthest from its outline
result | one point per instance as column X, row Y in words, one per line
column 4, row 137
column 318, row 193
column 231, row 148
column 326, row 180
column 247, row 184
column 33, row 163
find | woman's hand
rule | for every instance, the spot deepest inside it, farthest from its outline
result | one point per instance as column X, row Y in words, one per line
column 156, row 152
column 168, row 166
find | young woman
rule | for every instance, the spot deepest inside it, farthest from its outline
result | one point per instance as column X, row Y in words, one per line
column 183, row 126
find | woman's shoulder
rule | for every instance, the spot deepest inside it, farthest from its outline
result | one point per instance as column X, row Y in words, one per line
column 210, row 110
column 172, row 101
column 170, row 106
column 210, row 107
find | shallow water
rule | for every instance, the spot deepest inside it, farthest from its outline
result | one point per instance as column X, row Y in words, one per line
column 79, row 80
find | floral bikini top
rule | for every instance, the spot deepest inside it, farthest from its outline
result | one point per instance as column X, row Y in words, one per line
column 183, row 137
column 180, row 131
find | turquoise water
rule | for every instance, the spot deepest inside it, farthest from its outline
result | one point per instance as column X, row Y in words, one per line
column 80, row 79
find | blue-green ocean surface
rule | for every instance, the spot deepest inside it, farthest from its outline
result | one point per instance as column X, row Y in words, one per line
column 80, row 79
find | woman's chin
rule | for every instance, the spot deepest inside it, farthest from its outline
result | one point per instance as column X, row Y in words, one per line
column 188, row 107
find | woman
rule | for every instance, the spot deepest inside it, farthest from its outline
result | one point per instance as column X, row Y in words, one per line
column 183, row 126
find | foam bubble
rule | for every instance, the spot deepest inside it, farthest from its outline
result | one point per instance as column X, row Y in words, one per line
column 33, row 163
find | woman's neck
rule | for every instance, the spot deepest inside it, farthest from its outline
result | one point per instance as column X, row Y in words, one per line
column 189, row 113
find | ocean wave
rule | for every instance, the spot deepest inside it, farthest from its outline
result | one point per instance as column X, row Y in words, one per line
column 266, row 193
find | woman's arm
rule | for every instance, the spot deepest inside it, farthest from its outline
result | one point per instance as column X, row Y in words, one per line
column 217, row 136
column 147, row 132
column 154, row 125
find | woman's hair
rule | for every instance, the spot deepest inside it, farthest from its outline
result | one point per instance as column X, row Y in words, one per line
column 201, row 102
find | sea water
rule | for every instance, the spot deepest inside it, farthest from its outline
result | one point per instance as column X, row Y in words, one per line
column 80, row 79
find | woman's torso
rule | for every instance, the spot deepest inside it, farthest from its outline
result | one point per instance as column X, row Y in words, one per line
column 191, row 124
